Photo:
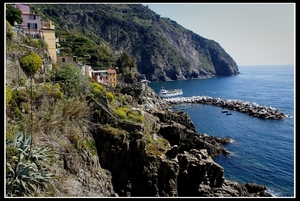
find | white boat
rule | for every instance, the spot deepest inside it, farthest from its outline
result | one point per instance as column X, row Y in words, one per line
column 165, row 93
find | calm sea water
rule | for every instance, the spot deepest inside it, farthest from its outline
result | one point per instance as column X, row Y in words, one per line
column 262, row 151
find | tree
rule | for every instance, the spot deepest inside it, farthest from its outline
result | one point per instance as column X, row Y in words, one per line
column 104, row 53
column 31, row 63
column 124, row 62
column 13, row 14
column 72, row 81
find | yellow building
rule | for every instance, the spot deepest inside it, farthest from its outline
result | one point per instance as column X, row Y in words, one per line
column 48, row 34
column 112, row 77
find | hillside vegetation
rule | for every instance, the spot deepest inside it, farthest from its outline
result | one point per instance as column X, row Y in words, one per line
column 161, row 48
column 69, row 136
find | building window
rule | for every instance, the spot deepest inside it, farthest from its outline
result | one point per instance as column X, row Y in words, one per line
column 32, row 17
column 32, row 25
column 63, row 60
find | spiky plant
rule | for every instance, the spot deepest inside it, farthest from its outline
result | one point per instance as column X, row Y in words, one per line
column 25, row 173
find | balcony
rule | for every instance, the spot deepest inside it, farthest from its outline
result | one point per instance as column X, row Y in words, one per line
column 47, row 25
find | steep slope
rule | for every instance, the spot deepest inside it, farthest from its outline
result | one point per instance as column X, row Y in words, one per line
column 163, row 49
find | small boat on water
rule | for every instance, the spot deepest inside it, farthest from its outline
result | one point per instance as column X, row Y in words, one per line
column 181, row 107
column 165, row 93
column 184, row 107
column 228, row 113
column 224, row 111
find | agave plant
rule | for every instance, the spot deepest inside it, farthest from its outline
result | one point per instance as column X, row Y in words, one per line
column 26, row 175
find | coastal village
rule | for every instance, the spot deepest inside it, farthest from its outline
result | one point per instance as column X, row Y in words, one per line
column 34, row 27
column 113, row 142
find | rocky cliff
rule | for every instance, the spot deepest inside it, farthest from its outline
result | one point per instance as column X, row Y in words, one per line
column 171, row 160
column 95, row 153
column 162, row 49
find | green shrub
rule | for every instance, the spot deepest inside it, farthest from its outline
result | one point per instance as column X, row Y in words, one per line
column 28, row 40
column 54, row 66
column 158, row 146
column 8, row 94
column 72, row 81
column 13, row 14
column 115, row 131
column 31, row 63
column 98, row 90
column 20, row 98
column 121, row 98
column 42, row 43
column 9, row 135
column 9, row 31
column 17, row 112
column 50, row 91
column 35, row 43
column 90, row 145
column 121, row 113
column 22, row 81
column 109, row 96
column 55, row 92
column 135, row 116
column 22, row 95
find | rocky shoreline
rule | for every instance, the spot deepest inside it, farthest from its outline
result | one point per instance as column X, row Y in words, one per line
column 163, row 156
column 252, row 109
column 183, row 166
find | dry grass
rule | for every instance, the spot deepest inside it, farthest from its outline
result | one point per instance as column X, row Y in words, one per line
column 60, row 117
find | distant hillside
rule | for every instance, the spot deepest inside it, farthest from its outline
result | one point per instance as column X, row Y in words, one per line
column 162, row 49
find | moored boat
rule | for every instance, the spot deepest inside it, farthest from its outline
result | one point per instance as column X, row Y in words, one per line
column 165, row 93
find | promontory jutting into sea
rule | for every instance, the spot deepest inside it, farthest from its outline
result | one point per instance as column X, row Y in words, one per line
column 113, row 100
column 261, row 148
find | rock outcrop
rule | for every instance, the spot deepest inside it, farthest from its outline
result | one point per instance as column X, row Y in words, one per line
column 180, row 163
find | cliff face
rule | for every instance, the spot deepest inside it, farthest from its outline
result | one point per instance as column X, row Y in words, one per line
column 161, row 48
column 170, row 161
column 197, row 56
column 104, row 155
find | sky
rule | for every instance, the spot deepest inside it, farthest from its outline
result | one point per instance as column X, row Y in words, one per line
column 251, row 33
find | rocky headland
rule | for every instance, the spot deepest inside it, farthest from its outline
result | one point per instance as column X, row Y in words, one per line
column 164, row 156
column 152, row 152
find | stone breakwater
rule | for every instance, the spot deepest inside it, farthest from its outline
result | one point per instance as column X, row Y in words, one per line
column 252, row 109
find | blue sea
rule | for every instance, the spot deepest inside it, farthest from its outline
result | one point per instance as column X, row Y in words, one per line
column 262, row 150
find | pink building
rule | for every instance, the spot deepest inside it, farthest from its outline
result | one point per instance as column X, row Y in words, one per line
column 31, row 22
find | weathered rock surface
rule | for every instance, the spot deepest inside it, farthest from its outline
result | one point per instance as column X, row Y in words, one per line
column 184, row 168
column 179, row 162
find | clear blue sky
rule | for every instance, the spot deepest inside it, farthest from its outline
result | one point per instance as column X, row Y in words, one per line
column 251, row 33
